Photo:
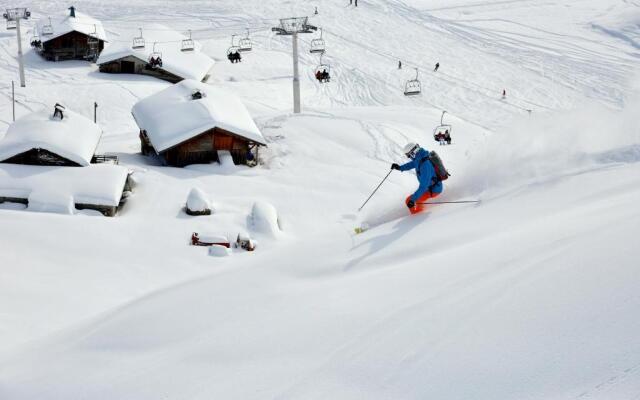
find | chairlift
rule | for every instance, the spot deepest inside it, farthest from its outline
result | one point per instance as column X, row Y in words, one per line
column 155, row 58
column 317, row 44
column 11, row 24
column 245, row 43
column 323, row 71
column 47, row 29
column 92, row 45
column 92, row 39
column 442, row 132
column 35, row 42
column 412, row 87
column 233, row 52
column 187, row 44
column 138, row 42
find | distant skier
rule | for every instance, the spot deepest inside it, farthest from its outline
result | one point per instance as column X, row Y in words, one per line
column 399, row 64
column 504, row 94
column 430, row 186
column 437, row 66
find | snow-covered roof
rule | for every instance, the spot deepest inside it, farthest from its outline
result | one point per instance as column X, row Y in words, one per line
column 75, row 137
column 63, row 24
column 97, row 184
column 185, row 64
column 171, row 116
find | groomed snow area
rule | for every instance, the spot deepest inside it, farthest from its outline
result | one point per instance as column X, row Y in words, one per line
column 63, row 23
column 168, row 43
column 75, row 137
column 172, row 116
column 533, row 293
column 98, row 184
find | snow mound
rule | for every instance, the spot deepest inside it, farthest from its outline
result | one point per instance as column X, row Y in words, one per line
column 51, row 201
column 198, row 203
column 226, row 160
column 264, row 219
column 219, row 251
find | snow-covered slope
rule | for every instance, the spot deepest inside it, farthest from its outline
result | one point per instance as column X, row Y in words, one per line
column 532, row 293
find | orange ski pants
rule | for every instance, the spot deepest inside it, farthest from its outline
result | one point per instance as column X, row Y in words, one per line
column 420, row 207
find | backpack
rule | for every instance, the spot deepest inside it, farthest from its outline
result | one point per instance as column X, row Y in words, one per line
column 438, row 166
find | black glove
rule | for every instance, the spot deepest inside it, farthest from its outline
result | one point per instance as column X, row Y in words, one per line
column 411, row 204
column 395, row 166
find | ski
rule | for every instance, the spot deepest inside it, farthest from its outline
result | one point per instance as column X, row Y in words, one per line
column 362, row 228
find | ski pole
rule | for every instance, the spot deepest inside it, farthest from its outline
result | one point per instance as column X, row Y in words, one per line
column 376, row 189
column 451, row 202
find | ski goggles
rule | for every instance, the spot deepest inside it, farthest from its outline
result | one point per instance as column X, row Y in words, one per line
column 412, row 153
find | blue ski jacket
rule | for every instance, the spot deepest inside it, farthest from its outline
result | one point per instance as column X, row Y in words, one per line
column 425, row 173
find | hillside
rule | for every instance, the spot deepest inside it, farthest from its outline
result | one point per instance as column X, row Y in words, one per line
column 530, row 293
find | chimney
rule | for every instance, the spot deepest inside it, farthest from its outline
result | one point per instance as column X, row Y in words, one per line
column 72, row 11
column 197, row 95
column 58, row 111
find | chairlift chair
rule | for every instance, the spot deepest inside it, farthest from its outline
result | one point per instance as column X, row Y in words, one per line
column 11, row 24
column 442, row 128
column 92, row 45
column 35, row 42
column 47, row 29
column 412, row 87
column 155, row 58
column 187, row 44
column 233, row 52
column 138, row 42
column 92, row 39
column 317, row 44
column 323, row 71
column 245, row 43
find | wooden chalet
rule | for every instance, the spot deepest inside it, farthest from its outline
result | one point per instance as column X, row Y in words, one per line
column 100, row 187
column 53, row 155
column 192, row 123
column 61, row 138
column 157, row 51
column 74, row 36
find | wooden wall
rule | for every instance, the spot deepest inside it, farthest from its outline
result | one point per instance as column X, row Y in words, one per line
column 140, row 67
column 72, row 46
column 40, row 157
column 203, row 148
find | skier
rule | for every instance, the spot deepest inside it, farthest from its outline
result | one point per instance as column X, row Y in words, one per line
column 436, row 68
column 504, row 94
column 430, row 186
column 399, row 64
